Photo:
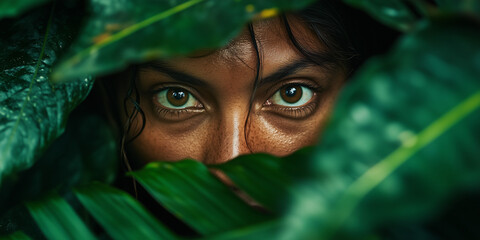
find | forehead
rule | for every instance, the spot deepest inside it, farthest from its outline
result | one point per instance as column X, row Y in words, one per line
column 239, row 56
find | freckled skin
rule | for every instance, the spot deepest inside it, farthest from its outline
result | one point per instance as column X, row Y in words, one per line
column 220, row 131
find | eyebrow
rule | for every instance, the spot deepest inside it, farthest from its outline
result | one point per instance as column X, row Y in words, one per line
column 286, row 71
column 281, row 73
column 163, row 67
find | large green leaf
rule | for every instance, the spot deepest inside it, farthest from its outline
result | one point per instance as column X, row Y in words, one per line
column 11, row 8
column 196, row 197
column 119, row 214
column 127, row 31
column 405, row 134
column 57, row 219
column 261, row 177
column 85, row 152
column 33, row 112
column 268, row 179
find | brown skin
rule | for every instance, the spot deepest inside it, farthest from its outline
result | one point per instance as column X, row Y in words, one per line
column 212, row 127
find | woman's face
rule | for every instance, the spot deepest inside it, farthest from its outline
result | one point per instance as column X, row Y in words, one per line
column 206, row 107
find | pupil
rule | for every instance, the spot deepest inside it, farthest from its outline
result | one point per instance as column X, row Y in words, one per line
column 291, row 91
column 178, row 95
column 291, row 94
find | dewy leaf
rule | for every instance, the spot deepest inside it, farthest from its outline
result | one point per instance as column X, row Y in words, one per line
column 57, row 219
column 33, row 112
column 195, row 196
column 119, row 214
column 11, row 8
column 405, row 134
column 119, row 33
column 393, row 13
column 85, row 152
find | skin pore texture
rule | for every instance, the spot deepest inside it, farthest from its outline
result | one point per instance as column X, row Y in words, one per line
column 207, row 107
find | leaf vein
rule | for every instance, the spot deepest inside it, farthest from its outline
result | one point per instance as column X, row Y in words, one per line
column 380, row 171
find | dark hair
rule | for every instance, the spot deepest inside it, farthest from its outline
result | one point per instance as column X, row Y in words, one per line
column 350, row 37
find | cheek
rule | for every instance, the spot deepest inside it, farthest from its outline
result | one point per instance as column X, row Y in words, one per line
column 166, row 142
column 153, row 146
column 280, row 138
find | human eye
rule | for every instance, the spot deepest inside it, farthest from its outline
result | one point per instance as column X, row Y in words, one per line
column 176, row 103
column 176, row 98
column 294, row 100
column 293, row 95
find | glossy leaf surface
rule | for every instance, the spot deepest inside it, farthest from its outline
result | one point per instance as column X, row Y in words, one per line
column 57, row 219
column 85, row 152
column 120, row 214
column 268, row 179
column 123, row 32
column 33, row 112
column 196, row 197
column 9, row 8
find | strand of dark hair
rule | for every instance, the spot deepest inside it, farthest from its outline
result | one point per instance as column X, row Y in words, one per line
column 132, row 97
column 255, row 82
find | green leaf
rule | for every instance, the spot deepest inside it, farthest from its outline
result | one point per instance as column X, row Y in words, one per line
column 405, row 134
column 393, row 13
column 85, row 152
column 111, row 37
column 10, row 8
column 57, row 219
column 266, row 178
column 15, row 236
column 195, row 196
column 121, row 215
column 261, row 177
column 267, row 230
column 33, row 112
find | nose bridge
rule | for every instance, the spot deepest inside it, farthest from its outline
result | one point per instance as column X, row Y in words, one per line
column 228, row 138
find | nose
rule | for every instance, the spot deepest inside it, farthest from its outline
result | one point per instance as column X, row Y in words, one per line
column 227, row 139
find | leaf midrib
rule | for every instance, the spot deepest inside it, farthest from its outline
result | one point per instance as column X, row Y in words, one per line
column 223, row 209
column 380, row 171
column 130, row 30
column 30, row 87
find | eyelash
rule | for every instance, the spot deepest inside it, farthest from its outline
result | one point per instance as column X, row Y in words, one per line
column 170, row 113
column 301, row 111
column 176, row 114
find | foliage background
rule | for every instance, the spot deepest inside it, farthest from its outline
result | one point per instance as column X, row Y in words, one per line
column 399, row 159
